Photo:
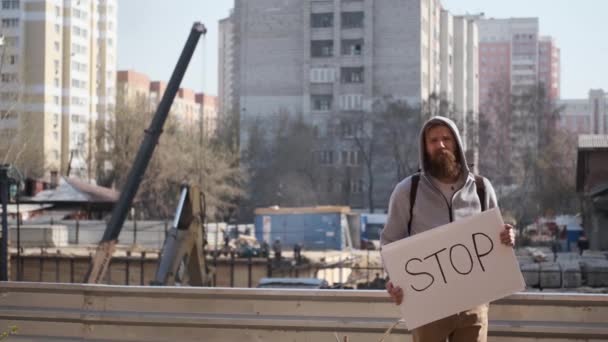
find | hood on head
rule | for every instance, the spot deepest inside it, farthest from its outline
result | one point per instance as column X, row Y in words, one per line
column 460, row 150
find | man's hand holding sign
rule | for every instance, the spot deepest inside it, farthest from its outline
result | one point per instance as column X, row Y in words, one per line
column 452, row 268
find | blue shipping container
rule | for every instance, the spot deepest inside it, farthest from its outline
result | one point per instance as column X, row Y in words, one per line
column 313, row 230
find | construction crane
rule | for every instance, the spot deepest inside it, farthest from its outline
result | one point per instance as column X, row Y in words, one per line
column 105, row 249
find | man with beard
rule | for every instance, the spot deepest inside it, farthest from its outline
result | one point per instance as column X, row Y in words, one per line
column 446, row 191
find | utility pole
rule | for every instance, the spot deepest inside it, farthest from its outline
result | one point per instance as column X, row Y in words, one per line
column 4, row 198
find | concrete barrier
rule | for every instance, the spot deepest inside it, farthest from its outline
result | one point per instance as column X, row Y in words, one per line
column 79, row 312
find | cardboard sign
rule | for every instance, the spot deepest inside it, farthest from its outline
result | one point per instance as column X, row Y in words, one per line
column 452, row 268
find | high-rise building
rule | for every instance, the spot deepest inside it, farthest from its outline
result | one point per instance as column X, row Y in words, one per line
column 331, row 61
column 514, row 60
column 209, row 113
column 585, row 116
column 188, row 107
column 515, row 57
column 226, row 66
column 58, row 80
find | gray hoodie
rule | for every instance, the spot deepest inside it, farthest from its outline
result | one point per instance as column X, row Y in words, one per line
column 431, row 208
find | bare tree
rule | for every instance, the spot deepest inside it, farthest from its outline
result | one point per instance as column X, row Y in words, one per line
column 531, row 158
column 183, row 155
column 399, row 127
column 282, row 167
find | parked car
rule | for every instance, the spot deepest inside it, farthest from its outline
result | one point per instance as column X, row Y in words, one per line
column 293, row 283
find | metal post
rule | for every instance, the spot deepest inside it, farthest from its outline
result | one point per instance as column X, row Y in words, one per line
column 19, row 268
column 77, row 231
column 72, row 269
column 269, row 266
column 215, row 267
column 57, row 273
column 141, row 268
column 134, row 227
column 40, row 270
column 127, row 267
column 4, row 198
column 249, row 266
column 231, row 269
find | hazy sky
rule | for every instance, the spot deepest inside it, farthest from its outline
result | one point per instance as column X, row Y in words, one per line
column 151, row 34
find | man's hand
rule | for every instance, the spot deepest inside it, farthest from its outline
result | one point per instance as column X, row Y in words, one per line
column 507, row 235
column 395, row 292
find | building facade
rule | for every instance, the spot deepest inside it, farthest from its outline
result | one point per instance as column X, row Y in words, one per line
column 331, row 62
column 226, row 66
column 585, row 116
column 514, row 63
column 59, row 82
column 190, row 110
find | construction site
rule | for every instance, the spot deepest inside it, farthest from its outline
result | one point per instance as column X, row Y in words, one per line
column 294, row 274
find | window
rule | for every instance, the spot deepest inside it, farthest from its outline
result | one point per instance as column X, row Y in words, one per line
column 56, row 135
column 12, row 59
column 352, row 19
column 57, row 85
column 322, row 75
column 56, row 99
column 10, row 22
column 326, row 157
column 352, row 75
column 348, row 130
column 352, row 47
column 57, row 28
column 319, row 20
column 76, row 83
column 321, row 102
column 9, row 77
column 351, row 102
column 10, row 4
column 322, row 48
column 55, row 154
column 58, row 11
column 57, row 47
column 356, row 186
column 11, row 42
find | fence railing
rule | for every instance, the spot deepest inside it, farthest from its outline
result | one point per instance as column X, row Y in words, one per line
column 77, row 312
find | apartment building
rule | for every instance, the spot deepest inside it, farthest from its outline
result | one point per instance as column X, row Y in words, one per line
column 515, row 57
column 585, row 116
column 331, row 61
column 58, row 81
column 188, row 107
column 226, row 66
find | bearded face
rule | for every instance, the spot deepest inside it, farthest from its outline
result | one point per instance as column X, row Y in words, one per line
column 441, row 147
column 444, row 165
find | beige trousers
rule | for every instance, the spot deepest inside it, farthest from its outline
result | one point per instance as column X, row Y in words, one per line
column 467, row 326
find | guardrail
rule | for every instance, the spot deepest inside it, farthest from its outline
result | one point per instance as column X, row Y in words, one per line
column 82, row 312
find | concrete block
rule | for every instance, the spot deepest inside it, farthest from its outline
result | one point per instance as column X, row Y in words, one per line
column 40, row 236
column 571, row 274
column 531, row 274
column 550, row 275
column 568, row 256
column 595, row 271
